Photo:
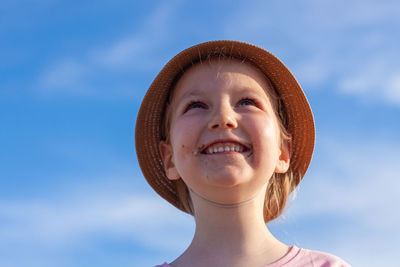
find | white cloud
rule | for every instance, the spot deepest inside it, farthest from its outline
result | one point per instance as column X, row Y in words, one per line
column 356, row 186
column 393, row 87
column 121, row 53
column 72, row 220
column 352, row 50
column 378, row 78
column 132, row 51
column 356, row 178
column 46, row 232
column 96, row 71
column 66, row 77
column 312, row 72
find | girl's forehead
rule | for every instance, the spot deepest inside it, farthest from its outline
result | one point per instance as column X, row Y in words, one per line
column 217, row 66
column 226, row 70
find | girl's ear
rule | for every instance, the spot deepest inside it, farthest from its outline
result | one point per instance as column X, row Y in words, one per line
column 168, row 162
column 283, row 162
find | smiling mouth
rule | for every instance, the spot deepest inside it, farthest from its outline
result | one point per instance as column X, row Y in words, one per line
column 224, row 147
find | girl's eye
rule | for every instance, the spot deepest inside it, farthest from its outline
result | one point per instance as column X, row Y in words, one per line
column 247, row 102
column 195, row 104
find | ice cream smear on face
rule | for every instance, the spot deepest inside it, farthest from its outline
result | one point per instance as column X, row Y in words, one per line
column 223, row 147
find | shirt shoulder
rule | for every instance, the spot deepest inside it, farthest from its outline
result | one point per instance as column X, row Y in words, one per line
column 313, row 258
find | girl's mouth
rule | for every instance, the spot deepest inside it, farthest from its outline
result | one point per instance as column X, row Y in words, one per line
column 224, row 147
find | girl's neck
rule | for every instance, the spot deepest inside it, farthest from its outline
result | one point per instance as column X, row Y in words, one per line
column 232, row 234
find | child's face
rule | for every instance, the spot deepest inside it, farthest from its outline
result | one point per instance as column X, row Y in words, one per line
column 224, row 135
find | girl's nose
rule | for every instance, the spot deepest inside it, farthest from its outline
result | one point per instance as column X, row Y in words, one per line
column 223, row 118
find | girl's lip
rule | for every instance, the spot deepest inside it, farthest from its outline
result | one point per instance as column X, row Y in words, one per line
column 203, row 148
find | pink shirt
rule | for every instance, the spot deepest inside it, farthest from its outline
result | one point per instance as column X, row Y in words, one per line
column 300, row 257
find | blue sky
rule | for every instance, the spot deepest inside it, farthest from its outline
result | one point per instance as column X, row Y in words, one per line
column 72, row 76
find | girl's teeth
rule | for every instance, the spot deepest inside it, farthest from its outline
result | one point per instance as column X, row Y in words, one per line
column 225, row 148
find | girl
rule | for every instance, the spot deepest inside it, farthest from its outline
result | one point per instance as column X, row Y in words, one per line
column 225, row 133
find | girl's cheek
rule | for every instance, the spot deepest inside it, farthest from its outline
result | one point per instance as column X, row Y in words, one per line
column 269, row 132
column 183, row 135
column 264, row 125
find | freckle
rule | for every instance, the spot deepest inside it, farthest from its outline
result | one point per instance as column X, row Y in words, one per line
column 183, row 146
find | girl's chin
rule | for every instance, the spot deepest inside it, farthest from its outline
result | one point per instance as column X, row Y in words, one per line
column 226, row 179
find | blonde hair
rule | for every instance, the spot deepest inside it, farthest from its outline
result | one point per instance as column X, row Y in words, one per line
column 280, row 185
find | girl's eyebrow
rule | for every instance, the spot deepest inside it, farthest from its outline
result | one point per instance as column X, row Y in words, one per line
column 243, row 90
column 239, row 90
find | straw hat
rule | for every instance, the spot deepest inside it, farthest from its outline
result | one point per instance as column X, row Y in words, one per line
column 149, row 126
